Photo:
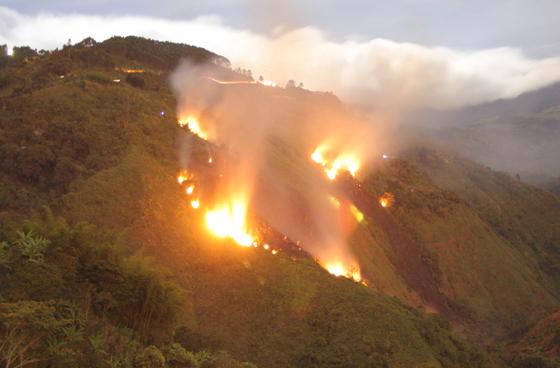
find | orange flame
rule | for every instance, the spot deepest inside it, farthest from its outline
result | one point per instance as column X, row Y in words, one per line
column 131, row 71
column 386, row 200
column 334, row 166
column 229, row 221
column 339, row 269
column 183, row 176
column 190, row 189
column 192, row 124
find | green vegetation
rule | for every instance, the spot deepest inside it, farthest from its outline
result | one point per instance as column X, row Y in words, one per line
column 71, row 298
column 116, row 272
column 489, row 279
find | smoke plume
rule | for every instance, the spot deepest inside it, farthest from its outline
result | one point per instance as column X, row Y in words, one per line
column 377, row 71
column 269, row 135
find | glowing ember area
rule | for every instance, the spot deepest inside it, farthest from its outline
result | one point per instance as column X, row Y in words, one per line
column 334, row 201
column 229, row 221
column 358, row 215
column 230, row 82
column 192, row 124
column 186, row 178
column 131, row 71
column 183, row 177
column 334, row 166
column 386, row 200
column 338, row 269
column 190, row 189
column 268, row 83
column 226, row 209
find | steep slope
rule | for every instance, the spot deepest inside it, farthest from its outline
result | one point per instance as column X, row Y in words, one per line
column 99, row 150
column 541, row 344
column 485, row 280
column 527, row 217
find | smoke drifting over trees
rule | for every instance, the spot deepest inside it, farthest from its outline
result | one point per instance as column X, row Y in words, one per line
column 372, row 71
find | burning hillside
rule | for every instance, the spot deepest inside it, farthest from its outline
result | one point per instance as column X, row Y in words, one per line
column 335, row 164
column 249, row 188
column 225, row 204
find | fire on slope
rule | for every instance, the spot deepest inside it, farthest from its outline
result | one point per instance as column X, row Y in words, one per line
column 339, row 269
column 263, row 82
column 386, row 200
column 185, row 178
column 334, row 164
column 227, row 218
column 226, row 205
column 192, row 124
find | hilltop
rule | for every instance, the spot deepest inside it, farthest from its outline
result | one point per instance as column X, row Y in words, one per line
column 105, row 261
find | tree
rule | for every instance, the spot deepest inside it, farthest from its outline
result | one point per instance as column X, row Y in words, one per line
column 152, row 358
column 135, row 80
column 24, row 329
column 291, row 84
column 24, row 52
column 87, row 42
column 31, row 246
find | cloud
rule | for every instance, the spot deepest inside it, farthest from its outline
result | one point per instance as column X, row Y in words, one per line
column 377, row 72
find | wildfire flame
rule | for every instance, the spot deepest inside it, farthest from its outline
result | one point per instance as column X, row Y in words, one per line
column 131, row 71
column 227, row 217
column 334, row 166
column 229, row 221
column 192, row 124
column 183, row 176
column 190, row 189
column 358, row 215
column 386, row 200
column 338, row 269
column 266, row 83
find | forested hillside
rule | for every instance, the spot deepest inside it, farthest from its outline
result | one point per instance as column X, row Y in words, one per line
column 104, row 264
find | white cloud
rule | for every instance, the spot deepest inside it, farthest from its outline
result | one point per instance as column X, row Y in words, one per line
column 377, row 71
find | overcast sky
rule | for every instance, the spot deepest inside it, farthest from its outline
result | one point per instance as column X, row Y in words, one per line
column 463, row 52
column 532, row 25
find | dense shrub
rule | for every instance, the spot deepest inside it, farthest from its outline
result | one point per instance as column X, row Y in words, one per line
column 135, row 80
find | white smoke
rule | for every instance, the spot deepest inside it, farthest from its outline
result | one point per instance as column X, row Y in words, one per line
column 377, row 71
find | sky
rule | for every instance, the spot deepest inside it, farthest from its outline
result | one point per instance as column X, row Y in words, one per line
column 462, row 52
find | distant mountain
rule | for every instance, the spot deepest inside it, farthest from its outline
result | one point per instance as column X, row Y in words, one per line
column 526, row 103
column 519, row 135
